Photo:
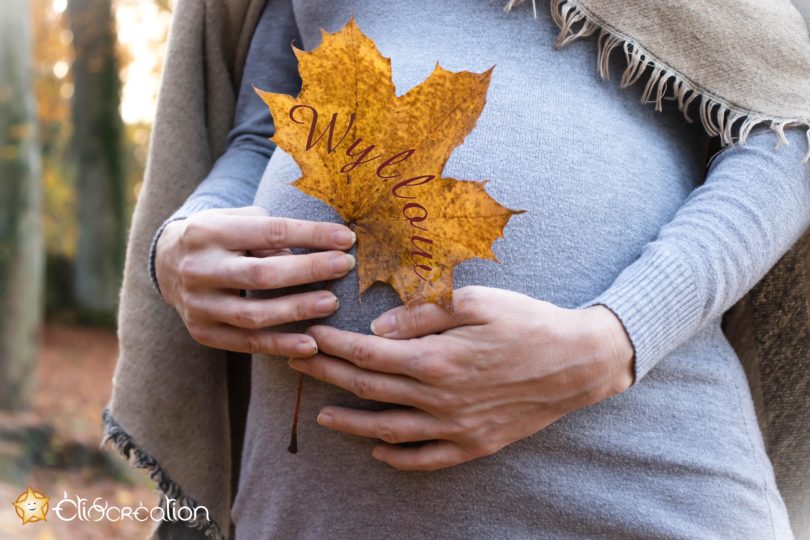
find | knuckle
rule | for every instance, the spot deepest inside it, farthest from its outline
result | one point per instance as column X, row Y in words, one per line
column 192, row 303
column 195, row 232
column 300, row 311
column 200, row 333
column 477, row 436
column 189, row 271
column 470, row 292
column 187, row 300
column 442, row 400
column 362, row 387
column 322, row 234
column 186, row 234
column 249, row 318
column 445, row 367
column 253, row 343
column 318, row 268
column 466, row 426
column 276, row 232
column 470, row 299
column 311, row 269
column 410, row 318
column 362, row 353
column 438, row 371
column 434, row 367
column 261, row 276
column 386, row 432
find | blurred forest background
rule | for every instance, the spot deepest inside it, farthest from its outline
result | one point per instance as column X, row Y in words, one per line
column 78, row 85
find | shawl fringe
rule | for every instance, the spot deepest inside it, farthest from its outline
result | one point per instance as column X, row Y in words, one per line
column 717, row 116
column 118, row 438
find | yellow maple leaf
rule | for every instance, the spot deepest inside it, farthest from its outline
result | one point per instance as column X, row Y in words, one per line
column 377, row 159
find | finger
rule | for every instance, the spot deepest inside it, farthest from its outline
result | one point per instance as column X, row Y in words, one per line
column 261, row 253
column 427, row 457
column 241, row 211
column 253, row 232
column 255, row 313
column 414, row 321
column 370, row 352
column 392, row 425
column 252, row 273
column 421, row 319
column 364, row 384
column 230, row 338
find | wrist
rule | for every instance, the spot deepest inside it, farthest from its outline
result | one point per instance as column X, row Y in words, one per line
column 167, row 239
column 612, row 346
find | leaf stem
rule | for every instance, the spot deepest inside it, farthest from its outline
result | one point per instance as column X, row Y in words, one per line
column 293, row 448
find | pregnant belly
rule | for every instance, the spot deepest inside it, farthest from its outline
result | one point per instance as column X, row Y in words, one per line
column 574, row 239
column 577, row 235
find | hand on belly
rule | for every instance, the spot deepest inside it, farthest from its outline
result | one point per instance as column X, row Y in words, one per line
column 502, row 367
column 203, row 262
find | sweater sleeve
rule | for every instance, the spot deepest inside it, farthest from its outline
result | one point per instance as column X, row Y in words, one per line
column 752, row 207
column 234, row 178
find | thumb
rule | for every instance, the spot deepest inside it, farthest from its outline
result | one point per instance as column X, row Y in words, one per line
column 415, row 321
column 425, row 318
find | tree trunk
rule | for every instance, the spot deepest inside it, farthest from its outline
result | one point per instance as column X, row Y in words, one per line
column 21, row 251
column 97, row 147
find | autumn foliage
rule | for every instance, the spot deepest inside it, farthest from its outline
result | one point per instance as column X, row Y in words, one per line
column 377, row 159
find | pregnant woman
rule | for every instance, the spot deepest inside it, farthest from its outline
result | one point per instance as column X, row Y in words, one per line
column 582, row 387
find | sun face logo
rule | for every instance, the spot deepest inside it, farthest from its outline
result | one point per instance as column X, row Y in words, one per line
column 31, row 506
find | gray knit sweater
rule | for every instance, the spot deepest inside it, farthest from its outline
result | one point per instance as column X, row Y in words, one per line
column 621, row 212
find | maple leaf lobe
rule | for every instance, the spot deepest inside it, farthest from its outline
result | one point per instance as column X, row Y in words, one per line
column 377, row 159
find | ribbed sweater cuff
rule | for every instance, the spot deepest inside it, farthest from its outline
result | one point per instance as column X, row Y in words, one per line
column 190, row 207
column 658, row 302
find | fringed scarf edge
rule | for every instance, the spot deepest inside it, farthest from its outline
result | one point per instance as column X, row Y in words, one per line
column 717, row 115
column 117, row 436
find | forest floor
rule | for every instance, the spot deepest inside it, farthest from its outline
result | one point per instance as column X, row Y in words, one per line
column 54, row 447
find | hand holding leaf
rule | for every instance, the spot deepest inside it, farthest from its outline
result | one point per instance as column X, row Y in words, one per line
column 377, row 159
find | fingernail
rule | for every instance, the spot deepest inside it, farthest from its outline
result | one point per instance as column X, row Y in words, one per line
column 306, row 348
column 324, row 418
column 384, row 324
column 342, row 263
column 344, row 236
column 327, row 304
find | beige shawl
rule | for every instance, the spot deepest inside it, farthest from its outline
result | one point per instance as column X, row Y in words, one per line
column 177, row 408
